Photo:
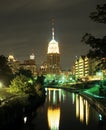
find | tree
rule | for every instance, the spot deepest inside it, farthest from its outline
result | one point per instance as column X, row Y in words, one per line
column 98, row 45
column 5, row 71
column 20, row 85
column 26, row 73
column 100, row 15
column 23, row 82
column 40, row 80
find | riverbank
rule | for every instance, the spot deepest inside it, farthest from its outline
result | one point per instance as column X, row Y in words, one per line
column 99, row 102
column 93, row 96
column 90, row 92
column 13, row 108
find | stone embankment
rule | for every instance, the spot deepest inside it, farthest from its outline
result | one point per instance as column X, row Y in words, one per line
column 98, row 103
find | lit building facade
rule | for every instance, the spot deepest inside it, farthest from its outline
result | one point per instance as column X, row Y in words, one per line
column 83, row 67
column 13, row 63
column 86, row 68
column 53, row 56
column 43, row 68
column 30, row 64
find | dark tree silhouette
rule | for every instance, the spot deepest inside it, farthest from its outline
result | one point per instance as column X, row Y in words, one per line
column 98, row 45
column 5, row 71
column 99, row 15
column 40, row 79
column 24, row 72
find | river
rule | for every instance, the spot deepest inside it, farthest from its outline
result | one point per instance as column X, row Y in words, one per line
column 63, row 110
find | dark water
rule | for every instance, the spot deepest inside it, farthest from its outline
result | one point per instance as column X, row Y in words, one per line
column 63, row 110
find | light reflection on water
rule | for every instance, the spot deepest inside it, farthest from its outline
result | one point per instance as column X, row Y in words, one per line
column 53, row 110
column 64, row 110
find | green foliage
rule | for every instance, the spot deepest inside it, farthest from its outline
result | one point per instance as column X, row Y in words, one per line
column 20, row 85
column 26, row 73
column 38, row 89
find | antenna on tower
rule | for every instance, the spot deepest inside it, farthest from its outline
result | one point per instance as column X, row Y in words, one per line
column 53, row 28
column 32, row 51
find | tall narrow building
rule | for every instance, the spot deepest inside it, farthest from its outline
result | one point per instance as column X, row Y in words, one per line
column 53, row 56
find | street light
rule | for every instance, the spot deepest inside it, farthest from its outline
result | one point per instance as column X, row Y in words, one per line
column 1, row 85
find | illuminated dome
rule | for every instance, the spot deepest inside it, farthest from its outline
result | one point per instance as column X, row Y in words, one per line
column 53, row 47
column 11, row 58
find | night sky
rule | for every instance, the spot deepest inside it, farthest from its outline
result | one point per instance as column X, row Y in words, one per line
column 25, row 25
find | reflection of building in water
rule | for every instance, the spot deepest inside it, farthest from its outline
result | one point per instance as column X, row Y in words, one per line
column 53, row 112
column 82, row 109
column 73, row 98
column 53, row 118
column 87, row 112
column 54, row 96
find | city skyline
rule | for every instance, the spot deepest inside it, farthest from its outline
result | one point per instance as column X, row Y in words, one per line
column 26, row 26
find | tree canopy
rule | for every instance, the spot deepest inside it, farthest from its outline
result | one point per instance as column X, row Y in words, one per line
column 97, row 45
column 100, row 14
column 24, row 72
column 19, row 84
column 5, row 71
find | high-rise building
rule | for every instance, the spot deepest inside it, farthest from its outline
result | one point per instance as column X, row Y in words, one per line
column 84, row 67
column 53, row 56
column 30, row 64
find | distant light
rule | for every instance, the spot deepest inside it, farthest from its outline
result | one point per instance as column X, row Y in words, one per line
column 1, row 85
column 25, row 119
column 11, row 58
column 99, row 73
column 30, row 81
column 100, row 117
column 70, row 78
column 32, row 57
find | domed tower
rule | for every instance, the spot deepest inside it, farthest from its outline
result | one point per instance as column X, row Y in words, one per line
column 30, row 64
column 53, row 56
column 32, row 56
column 11, row 58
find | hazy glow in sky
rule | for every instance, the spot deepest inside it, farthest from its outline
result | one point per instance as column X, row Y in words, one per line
column 26, row 25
